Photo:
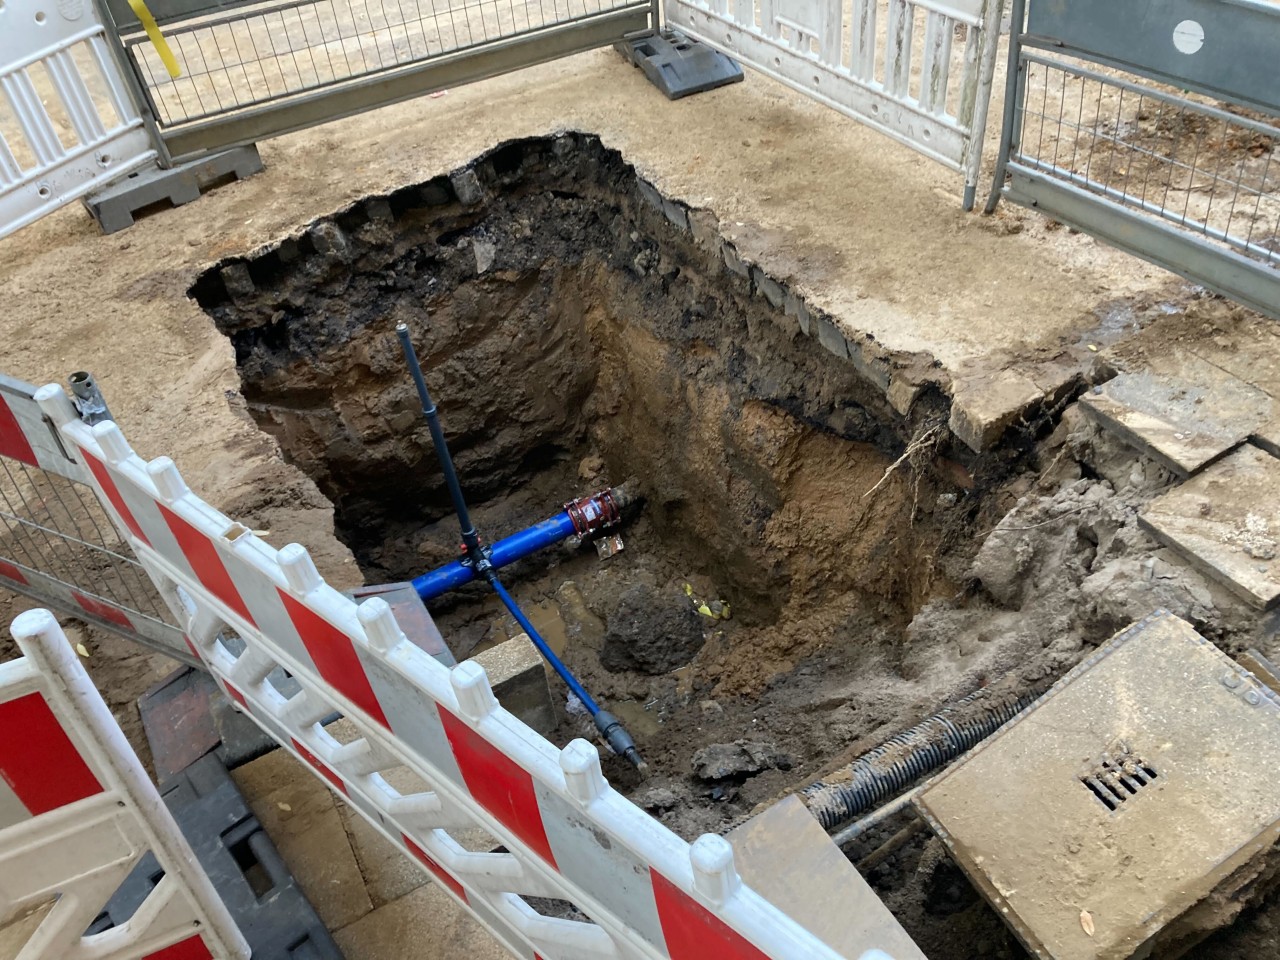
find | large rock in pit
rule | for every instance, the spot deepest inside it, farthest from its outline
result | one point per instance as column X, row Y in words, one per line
column 651, row 631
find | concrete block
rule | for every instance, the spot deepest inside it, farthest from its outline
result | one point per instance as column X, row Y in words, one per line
column 519, row 681
column 329, row 240
column 983, row 407
column 650, row 195
column 831, row 338
column 1146, row 777
column 872, row 368
column 676, row 212
column 734, row 262
column 378, row 210
column 1185, row 414
column 902, row 394
column 236, row 280
column 388, row 873
column 769, row 288
column 1225, row 521
column 436, row 192
column 467, row 187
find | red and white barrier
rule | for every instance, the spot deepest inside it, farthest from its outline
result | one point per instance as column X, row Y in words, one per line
column 77, row 813
column 640, row 890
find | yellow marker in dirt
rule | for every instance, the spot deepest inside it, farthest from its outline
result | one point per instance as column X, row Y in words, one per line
column 157, row 39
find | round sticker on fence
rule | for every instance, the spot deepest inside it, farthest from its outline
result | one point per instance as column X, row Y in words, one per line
column 1188, row 36
column 71, row 9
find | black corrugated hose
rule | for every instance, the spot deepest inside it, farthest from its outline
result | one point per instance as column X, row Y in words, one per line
column 896, row 764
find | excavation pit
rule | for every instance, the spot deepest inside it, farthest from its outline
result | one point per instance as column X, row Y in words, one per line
column 579, row 330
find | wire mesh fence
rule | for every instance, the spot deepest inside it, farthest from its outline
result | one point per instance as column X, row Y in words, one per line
column 275, row 51
column 1206, row 167
column 57, row 527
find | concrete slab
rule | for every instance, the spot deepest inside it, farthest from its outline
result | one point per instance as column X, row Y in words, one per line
column 983, row 406
column 424, row 924
column 787, row 858
column 300, row 815
column 1128, row 808
column 388, row 873
column 1226, row 522
column 1182, row 411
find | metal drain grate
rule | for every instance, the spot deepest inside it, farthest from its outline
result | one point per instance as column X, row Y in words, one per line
column 1117, row 776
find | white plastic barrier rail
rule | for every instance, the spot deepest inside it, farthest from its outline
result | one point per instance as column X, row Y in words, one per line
column 68, row 124
column 56, row 544
column 77, row 813
column 919, row 71
column 435, row 755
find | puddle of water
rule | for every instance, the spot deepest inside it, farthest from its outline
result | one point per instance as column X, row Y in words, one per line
column 637, row 719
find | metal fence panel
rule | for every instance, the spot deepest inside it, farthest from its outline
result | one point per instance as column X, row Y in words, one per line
column 1224, row 48
column 919, row 71
column 1169, row 175
column 57, row 543
column 280, row 66
column 67, row 122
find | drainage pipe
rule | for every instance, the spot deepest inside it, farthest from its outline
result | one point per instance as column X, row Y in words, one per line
column 610, row 728
column 579, row 518
column 897, row 763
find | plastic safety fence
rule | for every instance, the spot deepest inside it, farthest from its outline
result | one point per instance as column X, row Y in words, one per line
column 67, row 122
column 567, row 868
column 919, row 71
column 77, row 813
column 57, row 545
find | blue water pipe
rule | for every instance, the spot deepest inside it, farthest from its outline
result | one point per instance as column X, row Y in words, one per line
column 481, row 565
column 551, row 531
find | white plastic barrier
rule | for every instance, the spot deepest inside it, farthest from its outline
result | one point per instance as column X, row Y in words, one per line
column 436, row 756
column 77, row 813
column 857, row 57
column 55, row 63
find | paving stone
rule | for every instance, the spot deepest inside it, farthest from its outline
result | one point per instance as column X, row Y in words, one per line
column 388, row 873
column 983, row 407
column 1184, row 413
column 425, row 925
column 300, row 816
column 1225, row 521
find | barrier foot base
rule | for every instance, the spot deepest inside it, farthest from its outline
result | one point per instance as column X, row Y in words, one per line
column 116, row 206
column 679, row 66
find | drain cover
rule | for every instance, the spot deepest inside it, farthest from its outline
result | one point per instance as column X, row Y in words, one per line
column 1140, row 784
